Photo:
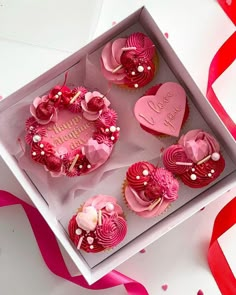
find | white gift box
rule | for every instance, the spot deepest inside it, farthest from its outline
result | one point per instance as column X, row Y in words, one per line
column 142, row 232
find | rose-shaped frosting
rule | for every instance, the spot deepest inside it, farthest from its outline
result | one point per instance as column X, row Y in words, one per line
column 161, row 189
column 112, row 231
column 204, row 173
column 98, row 225
column 144, row 45
column 139, row 174
column 92, row 112
column 42, row 111
column 129, row 61
column 198, row 144
column 172, row 156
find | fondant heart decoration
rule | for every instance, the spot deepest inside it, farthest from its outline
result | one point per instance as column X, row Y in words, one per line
column 87, row 220
column 164, row 111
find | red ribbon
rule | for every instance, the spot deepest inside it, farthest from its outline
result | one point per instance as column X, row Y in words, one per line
column 224, row 57
column 52, row 256
column 218, row 264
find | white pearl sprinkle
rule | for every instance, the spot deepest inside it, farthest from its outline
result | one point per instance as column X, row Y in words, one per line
column 78, row 231
column 136, row 85
column 36, row 138
column 137, row 177
column 215, row 156
column 80, row 166
column 42, row 153
column 88, row 166
column 91, row 247
column 209, row 174
column 41, row 145
column 193, row 176
column 140, row 69
column 109, row 207
column 149, row 68
column 145, row 183
column 193, row 169
column 145, row 172
column 118, row 128
column 212, row 171
column 59, row 93
column 34, row 154
column 133, row 73
column 112, row 128
column 112, row 138
column 31, row 128
column 107, row 130
column 56, row 96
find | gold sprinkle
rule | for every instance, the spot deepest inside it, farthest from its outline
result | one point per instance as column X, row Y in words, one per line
column 117, row 69
column 74, row 162
column 75, row 97
column 204, row 160
column 154, row 204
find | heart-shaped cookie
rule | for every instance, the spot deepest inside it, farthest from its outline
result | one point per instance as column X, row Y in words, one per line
column 87, row 220
column 164, row 111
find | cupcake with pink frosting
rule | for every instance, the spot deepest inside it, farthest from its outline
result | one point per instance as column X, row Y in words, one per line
column 131, row 62
column 149, row 190
column 99, row 225
column 196, row 159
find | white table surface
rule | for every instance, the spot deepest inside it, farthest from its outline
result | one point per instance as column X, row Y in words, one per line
column 34, row 36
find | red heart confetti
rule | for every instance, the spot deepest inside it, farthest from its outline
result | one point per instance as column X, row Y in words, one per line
column 200, row 292
column 142, row 251
column 165, row 287
column 166, row 35
column 113, row 23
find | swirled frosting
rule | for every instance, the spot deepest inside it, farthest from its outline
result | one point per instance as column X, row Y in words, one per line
column 196, row 159
column 99, row 225
column 139, row 174
column 160, row 190
column 129, row 61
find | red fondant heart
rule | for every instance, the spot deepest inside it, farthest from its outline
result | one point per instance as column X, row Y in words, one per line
column 164, row 111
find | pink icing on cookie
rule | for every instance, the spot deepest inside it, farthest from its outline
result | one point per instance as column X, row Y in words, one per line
column 164, row 111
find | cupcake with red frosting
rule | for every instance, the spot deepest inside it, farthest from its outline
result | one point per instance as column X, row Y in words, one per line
column 196, row 159
column 131, row 62
column 149, row 190
column 99, row 225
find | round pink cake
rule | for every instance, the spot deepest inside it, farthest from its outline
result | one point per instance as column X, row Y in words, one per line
column 196, row 159
column 71, row 132
column 99, row 225
column 149, row 190
column 131, row 61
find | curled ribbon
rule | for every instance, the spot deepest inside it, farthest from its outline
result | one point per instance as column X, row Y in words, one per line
column 224, row 57
column 219, row 266
column 53, row 257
